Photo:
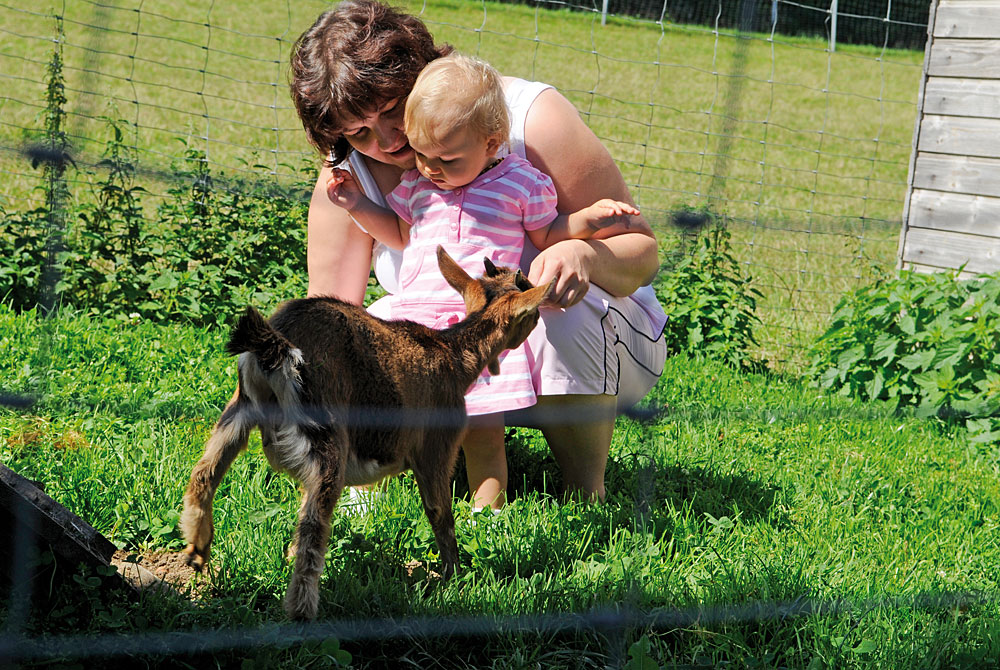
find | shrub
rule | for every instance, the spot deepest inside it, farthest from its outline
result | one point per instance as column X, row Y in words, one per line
column 214, row 246
column 23, row 253
column 226, row 243
column 710, row 305
column 925, row 341
column 107, row 245
column 28, row 239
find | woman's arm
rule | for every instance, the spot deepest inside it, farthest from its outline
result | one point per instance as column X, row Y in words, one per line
column 619, row 258
column 339, row 254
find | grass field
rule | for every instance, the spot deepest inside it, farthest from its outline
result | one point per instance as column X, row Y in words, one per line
column 805, row 151
column 753, row 523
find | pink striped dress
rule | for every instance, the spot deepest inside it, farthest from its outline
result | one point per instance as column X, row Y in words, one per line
column 486, row 218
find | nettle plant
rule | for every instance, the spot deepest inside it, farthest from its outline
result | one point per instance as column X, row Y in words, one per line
column 215, row 243
column 922, row 341
column 710, row 304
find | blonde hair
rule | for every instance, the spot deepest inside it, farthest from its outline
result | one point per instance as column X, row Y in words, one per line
column 455, row 92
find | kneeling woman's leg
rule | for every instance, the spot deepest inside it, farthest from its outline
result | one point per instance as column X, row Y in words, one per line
column 588, row 363
column 578, row 430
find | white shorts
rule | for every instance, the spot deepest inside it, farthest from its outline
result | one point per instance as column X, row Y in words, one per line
column 601, row 345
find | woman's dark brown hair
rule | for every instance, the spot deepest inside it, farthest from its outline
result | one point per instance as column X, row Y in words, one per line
column 352, row 60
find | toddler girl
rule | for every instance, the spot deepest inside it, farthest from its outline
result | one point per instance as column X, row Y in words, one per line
column 474, row 204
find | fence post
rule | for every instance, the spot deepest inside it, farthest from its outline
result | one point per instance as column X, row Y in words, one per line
column 604, row 12
column 833, row 25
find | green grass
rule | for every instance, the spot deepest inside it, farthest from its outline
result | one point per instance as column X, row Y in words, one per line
column 806, row 151
column 750, row 493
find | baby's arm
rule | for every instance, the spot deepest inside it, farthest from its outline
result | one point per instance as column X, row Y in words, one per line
column 583, row 224
column 381, row 223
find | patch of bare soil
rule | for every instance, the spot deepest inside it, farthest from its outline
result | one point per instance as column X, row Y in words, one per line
column 158, row 570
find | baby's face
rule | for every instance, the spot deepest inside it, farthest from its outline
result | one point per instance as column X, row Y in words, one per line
column 456, row 161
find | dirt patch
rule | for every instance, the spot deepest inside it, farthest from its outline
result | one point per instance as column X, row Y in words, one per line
column 157, row 569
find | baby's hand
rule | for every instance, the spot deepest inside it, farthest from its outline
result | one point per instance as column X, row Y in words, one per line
column 607, row 212
column 343, row 190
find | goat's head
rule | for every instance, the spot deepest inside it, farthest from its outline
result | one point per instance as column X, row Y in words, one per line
column 499, row 288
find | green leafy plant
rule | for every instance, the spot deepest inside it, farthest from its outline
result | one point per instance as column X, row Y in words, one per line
column 925, row 341
column 23, row 255
column 710, row 305
column 216, row 244
column 108, row 248
column 28, row 240
column 226, row 243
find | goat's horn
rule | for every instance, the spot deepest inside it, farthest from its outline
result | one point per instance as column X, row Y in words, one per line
column 491, row 270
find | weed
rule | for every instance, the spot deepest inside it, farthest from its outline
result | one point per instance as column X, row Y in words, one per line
column 710, row 305
column 926, row 342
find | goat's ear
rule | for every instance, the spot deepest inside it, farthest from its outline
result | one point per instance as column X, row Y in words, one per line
column 491, row 270
column 530, row 300
column 453, row 273
column 521, row 282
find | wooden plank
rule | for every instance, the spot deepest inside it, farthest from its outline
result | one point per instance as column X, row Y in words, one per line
column 968, row 19
column 26, row 506
column 962, row 97
column 927, row 269
column 952, row 250
column 960, row 136
column 957, row 174
column 972, row 59
column 956, row 212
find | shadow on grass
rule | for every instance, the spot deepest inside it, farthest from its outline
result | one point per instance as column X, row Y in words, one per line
column 701, row 492
column 649, row 486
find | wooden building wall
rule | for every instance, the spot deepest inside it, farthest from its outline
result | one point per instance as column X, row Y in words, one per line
column 952, row 213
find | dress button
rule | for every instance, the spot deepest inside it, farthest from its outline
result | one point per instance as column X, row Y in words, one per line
column 458, row 191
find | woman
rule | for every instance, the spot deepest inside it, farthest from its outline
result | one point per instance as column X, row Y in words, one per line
column 599, row 346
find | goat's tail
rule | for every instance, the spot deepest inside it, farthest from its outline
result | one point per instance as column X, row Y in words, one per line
column 266, row 356
column 252, row 333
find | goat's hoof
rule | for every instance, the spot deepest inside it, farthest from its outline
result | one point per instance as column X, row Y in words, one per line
column 448, row 571
column 301, row 607
column 195, row 558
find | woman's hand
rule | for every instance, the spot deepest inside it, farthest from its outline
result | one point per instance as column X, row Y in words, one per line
column 569, row 263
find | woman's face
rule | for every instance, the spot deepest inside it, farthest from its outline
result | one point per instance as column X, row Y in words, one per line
column 380, row 135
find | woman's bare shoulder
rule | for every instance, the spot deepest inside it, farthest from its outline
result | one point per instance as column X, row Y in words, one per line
column 560, row 144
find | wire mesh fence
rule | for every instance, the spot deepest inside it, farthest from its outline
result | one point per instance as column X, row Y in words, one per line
column 802, row 149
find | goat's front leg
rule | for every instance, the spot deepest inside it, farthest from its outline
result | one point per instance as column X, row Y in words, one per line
column 321, row 490
column 228, row 438
column 433, row 470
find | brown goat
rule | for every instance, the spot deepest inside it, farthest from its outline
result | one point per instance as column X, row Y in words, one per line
column 343, row 398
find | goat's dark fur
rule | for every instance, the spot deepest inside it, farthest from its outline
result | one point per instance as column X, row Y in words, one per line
column 343, row 398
